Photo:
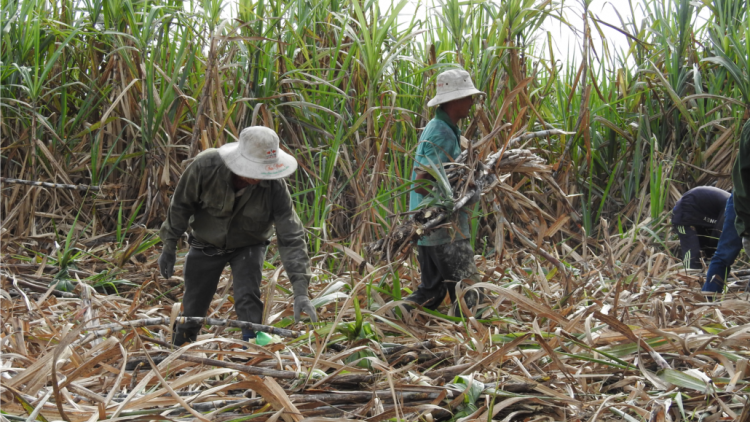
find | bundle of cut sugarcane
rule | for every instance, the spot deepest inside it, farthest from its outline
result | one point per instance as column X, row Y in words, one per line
column 466, row 175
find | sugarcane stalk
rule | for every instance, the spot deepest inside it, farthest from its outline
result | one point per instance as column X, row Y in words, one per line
column 429, row 344
column 43, row 289
column 302, row 398
column 80, row 187
column 386, row 351
column 108, row 329
column 346, row 411
column 252, row 370
column 215, row 405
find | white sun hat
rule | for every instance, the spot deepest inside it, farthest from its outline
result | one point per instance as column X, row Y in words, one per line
column 257, row 155
column 452, row 85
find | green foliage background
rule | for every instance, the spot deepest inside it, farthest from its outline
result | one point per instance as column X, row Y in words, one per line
column 122, row 92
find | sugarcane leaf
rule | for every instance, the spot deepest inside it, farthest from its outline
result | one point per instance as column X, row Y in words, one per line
column 326, row 299
column 471, row 388
column 681, row 379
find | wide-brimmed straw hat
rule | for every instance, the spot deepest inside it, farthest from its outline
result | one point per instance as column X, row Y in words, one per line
column 452, row 85
column 257, row 155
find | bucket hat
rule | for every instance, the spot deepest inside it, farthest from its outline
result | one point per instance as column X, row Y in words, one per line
column 452, row 85
column 257, row 155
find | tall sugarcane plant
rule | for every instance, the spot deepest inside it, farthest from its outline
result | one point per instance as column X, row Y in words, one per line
column 126, row 92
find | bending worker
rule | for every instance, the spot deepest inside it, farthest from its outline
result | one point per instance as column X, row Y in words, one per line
column 445, row 255
column 231, row 197
column 698, row 218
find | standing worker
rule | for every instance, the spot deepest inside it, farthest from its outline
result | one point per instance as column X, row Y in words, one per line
column 445, row 255
column 231, row 197
column 698, row 218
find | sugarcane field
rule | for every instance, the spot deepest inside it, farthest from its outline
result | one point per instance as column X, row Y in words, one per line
column 376, row 210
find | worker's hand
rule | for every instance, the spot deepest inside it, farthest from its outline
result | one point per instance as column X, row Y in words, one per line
column 746, row 244
column 166, row 262
column 302, row 304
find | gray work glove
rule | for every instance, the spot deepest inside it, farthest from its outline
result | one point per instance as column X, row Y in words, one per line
column 746, row 244
column 302, row 304
column 166, row 262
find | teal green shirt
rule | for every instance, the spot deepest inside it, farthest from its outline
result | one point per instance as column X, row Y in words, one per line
column 440, row 143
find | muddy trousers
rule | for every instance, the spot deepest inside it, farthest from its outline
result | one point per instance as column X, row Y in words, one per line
column 442, row 266
column 203, row 267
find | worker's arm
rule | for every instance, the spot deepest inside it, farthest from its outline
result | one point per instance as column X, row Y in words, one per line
column 185, row 202
column 419, row 186
column 290, row 236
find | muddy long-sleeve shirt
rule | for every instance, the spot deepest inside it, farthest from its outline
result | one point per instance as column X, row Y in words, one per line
column 741, row 182
column 206, row 201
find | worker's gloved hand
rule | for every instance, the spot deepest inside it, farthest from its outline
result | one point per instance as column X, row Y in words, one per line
column 166, row 262
column 746, row 244
column 302, row 304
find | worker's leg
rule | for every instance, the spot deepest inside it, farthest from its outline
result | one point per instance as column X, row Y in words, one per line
column 690, row 246
column 247, row 267
column 431, row 290
column 727, row 250
column 456, row 263
column 708, row 238
column 202, row 272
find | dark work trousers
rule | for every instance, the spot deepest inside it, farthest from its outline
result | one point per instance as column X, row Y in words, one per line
column 730, row 245
column 442, row 266
column 203, row 267
column 693, row 240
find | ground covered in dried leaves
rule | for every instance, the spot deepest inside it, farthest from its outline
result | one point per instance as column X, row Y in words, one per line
column 598, row 339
